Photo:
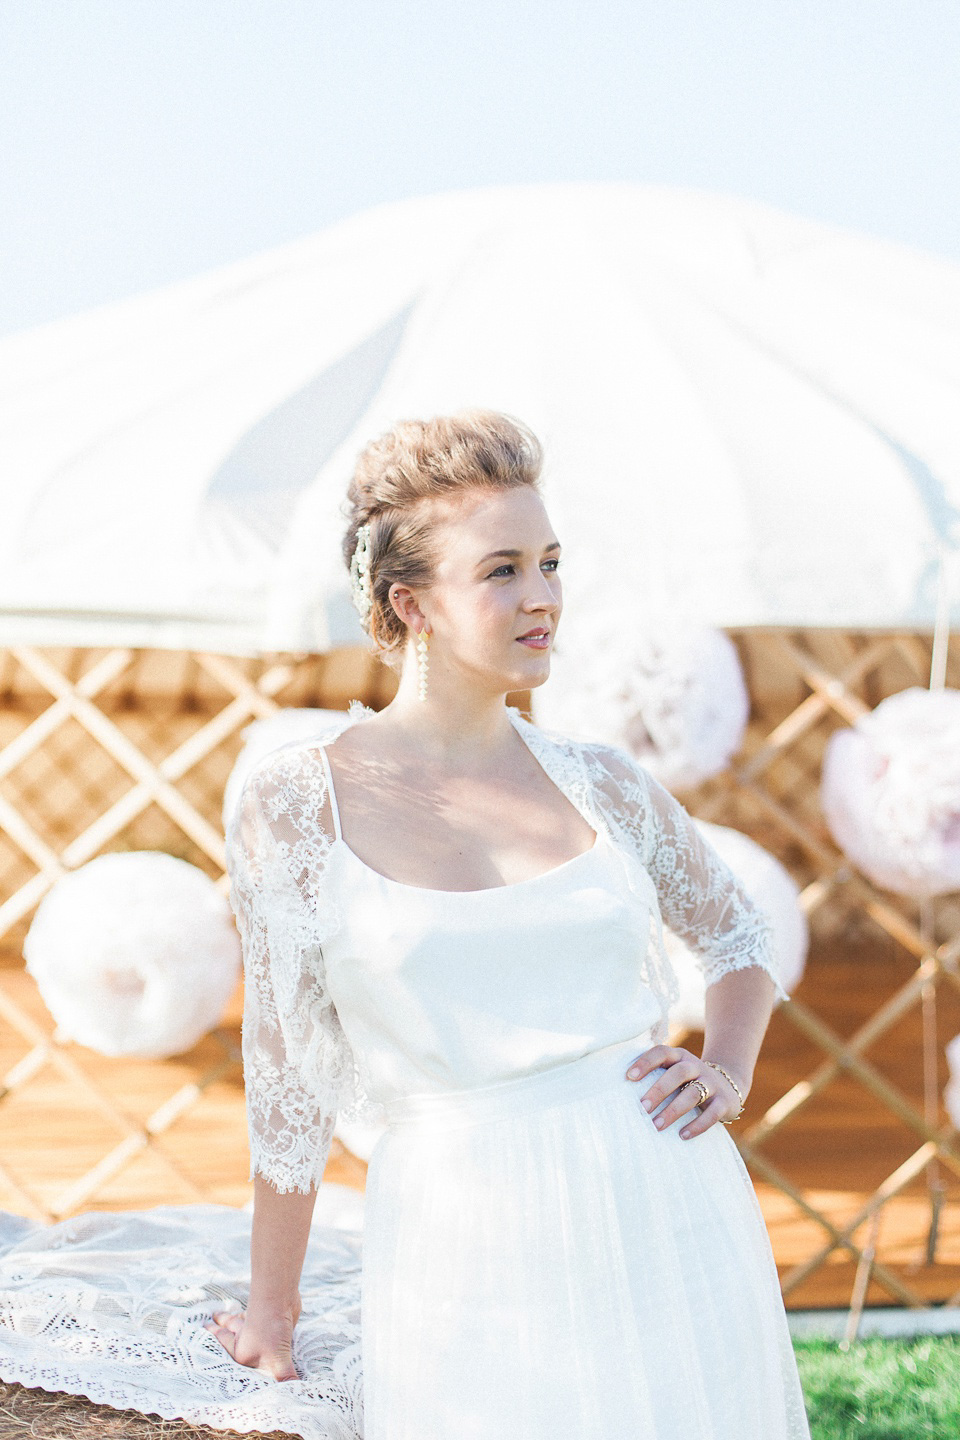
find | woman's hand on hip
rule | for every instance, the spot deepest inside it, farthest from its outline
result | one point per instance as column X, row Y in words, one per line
column 260, row 1340
column 680, row 1068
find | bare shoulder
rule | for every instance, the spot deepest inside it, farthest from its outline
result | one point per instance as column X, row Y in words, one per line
column 298, row 767
column 361, row 746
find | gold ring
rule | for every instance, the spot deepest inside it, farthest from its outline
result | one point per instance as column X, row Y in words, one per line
column 704, row 1092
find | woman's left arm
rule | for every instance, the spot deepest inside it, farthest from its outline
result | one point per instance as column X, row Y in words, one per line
column 706, row 905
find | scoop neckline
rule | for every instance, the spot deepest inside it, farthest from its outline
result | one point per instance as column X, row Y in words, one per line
column 480, row 890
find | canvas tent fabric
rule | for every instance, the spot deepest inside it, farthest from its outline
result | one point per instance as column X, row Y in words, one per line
column 747, row 416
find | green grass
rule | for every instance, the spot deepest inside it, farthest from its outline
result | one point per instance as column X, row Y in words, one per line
column 882, row 1389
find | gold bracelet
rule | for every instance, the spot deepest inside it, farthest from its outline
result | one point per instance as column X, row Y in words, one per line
column 727, row 1076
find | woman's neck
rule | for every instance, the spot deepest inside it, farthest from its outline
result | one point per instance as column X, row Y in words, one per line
column 459, row 732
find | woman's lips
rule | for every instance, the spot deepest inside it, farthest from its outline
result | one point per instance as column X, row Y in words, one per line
column 535, row 642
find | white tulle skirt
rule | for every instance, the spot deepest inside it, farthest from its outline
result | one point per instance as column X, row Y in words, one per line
column 541, row 1261
column 537, row 1260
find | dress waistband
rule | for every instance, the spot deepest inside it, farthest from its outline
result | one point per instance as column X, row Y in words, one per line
column 598, row 1070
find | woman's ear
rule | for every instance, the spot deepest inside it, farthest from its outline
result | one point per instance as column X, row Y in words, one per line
column 405, row 604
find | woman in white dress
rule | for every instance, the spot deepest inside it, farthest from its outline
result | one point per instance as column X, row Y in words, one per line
column 451, row 920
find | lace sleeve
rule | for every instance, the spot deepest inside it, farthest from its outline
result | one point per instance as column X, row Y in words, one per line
column 701, row 899
column 297, row 1063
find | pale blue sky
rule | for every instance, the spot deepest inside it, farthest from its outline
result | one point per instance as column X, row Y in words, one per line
column 142, row 141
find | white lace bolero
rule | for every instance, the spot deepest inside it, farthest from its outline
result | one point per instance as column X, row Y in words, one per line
column 299, row 1068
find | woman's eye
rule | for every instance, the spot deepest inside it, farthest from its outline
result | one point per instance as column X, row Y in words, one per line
column 501, row 569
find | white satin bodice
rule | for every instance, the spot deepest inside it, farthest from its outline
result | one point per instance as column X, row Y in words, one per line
column 448, row 989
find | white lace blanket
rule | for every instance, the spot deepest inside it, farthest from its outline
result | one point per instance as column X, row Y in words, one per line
column 111, row 1306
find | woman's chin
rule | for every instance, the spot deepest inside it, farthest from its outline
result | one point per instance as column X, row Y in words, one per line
column 535, row 681
column 532, row 675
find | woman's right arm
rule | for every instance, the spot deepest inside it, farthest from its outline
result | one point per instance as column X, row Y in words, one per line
column 294, row 1053
column 262, row 1337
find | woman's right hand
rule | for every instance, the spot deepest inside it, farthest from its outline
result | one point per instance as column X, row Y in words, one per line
column 259, row 1339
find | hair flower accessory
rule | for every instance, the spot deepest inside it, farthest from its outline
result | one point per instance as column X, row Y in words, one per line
column 361, row 589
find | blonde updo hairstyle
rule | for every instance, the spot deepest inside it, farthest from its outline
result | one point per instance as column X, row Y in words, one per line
column 396, row 479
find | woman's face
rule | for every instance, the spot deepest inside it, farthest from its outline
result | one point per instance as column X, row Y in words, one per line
column 495, row 581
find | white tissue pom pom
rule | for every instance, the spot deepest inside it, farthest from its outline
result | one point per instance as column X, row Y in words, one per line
column 890, row 792
column 672, row 694
column 773, row 890
column 951, row 1092
column 269, row 733
column 134, row 954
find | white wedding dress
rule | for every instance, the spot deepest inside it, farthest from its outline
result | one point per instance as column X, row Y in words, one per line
column 537, row 1259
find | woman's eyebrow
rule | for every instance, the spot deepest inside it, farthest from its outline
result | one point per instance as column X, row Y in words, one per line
column 514, row 554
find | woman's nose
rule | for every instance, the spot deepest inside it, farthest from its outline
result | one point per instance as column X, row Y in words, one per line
column 544, row 596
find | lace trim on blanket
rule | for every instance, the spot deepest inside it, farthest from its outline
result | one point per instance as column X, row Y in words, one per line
column 111, row 1307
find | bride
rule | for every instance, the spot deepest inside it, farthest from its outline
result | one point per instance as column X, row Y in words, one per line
column 451, row 922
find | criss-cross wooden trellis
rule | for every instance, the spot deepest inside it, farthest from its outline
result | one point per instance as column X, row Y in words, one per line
column 96, row 754
column 836, row 694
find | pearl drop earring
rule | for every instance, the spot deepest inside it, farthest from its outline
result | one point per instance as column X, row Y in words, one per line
column 422, row 660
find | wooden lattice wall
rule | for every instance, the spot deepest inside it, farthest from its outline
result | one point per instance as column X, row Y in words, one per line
column 119, row 749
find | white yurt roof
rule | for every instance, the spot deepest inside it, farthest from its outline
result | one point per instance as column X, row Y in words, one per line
column 747, row 415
